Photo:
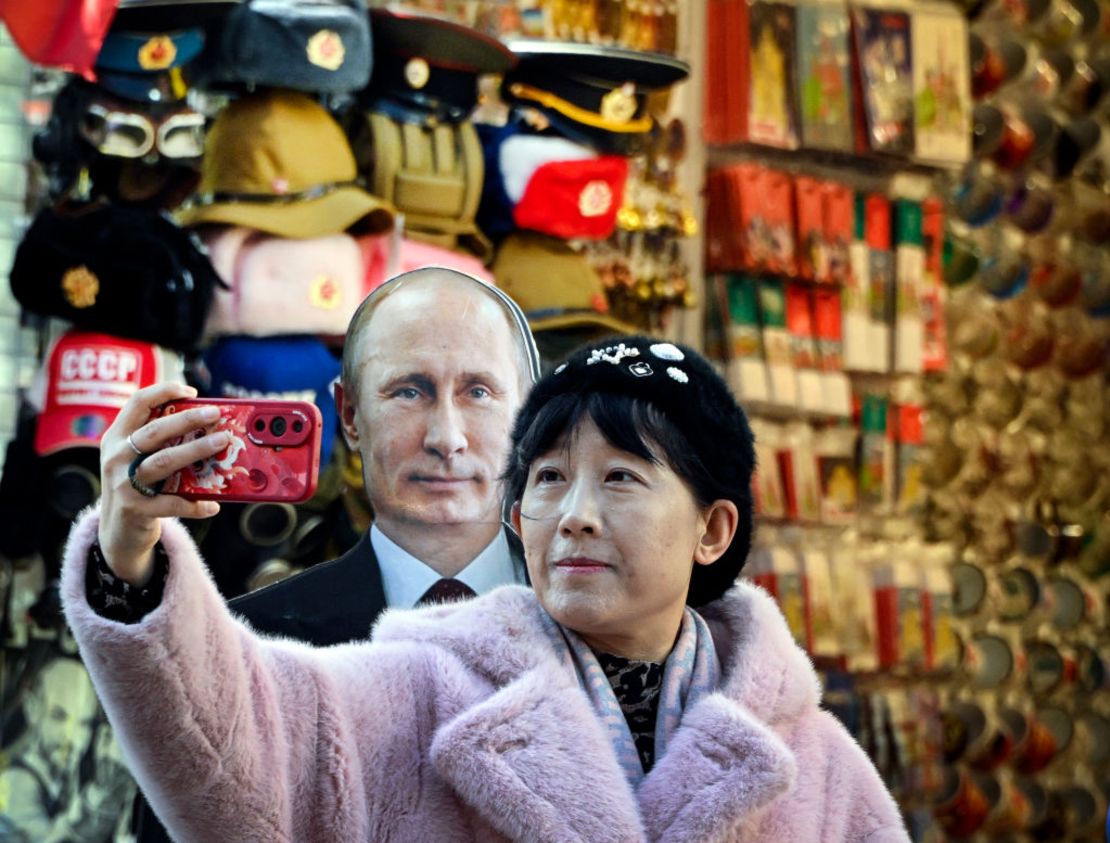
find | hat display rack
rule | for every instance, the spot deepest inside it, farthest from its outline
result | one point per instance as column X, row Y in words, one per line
column 218, row 184
column 115, row 294
column 581, row 182
column 578, row 164
column 908, row 288
column 907, row 284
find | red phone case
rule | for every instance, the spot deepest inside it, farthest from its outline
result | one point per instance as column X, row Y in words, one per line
column 250, row 468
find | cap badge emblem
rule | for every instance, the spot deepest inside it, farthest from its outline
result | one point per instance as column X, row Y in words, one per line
column 612, row 354
column 595, row 199
column 157, row 53
column 619, row 105
column 324, row 293
column 325, row 49
column 417, row 73
column 641, row 369
column 678, row 374
column 80, row 287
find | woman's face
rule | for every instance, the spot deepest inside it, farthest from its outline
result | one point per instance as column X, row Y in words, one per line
column 611, row 540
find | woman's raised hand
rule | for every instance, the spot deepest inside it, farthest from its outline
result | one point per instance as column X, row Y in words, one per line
column 135, row 458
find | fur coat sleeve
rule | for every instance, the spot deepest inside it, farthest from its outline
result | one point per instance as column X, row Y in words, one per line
column 202, row 708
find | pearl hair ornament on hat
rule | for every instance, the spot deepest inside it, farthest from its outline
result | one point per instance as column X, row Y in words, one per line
column 666, row 351
column 614, row 354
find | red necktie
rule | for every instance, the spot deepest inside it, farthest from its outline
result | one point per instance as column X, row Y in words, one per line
column 446, row 591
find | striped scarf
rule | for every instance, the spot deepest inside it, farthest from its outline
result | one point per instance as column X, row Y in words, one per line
column 691, row 672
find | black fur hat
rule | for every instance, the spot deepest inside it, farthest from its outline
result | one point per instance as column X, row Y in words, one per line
column 118, row 270
column 685, row 388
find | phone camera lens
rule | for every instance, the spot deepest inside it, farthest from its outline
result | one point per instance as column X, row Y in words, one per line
column 277, row 426
column 259, row 425
column 298, row 426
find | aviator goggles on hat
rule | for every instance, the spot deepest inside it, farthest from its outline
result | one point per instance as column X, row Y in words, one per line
column 125, row 133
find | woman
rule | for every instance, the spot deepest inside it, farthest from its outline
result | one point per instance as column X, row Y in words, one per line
column 636, row 695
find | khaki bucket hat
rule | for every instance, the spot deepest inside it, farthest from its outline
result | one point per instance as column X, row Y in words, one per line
column 554, row 285
column 276, row 161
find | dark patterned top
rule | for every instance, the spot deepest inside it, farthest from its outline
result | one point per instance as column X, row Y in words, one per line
column 113, row 598
column 636, row 686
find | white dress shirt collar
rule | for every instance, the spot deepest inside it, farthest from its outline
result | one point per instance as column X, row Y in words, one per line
column 405, row 578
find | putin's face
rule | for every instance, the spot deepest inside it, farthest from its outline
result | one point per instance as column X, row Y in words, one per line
column 437, row 392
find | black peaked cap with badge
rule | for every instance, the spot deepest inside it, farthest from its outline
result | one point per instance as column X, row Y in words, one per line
column 684, row 386
column 427, row 67
column 592, row 94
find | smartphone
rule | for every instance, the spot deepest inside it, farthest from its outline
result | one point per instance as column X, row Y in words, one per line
column 274, row 453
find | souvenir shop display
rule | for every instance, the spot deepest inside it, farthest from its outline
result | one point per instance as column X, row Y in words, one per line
column 942, row 131
column 952, row 508
column 64, row 757
column 646, row 27
column 897, row 236
column 772, row 104
column 883, row 46
column 825, row 80
column 263, row 275
column 602, row 102
column 117, row 269
column 571, row 306
column 256, row 173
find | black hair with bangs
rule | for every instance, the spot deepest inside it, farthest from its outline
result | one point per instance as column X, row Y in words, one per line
column 639, row 427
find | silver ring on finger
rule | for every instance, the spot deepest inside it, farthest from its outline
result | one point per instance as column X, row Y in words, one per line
column 139, row 453
column 137, row 484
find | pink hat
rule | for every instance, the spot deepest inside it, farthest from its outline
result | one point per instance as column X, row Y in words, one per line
column 87, row 379
column 280, row 285
column 384, row 258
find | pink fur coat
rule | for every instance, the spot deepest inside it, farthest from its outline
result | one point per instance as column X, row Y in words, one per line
column 457, row 724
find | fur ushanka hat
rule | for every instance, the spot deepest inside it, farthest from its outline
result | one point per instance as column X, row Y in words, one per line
column 683, row 385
